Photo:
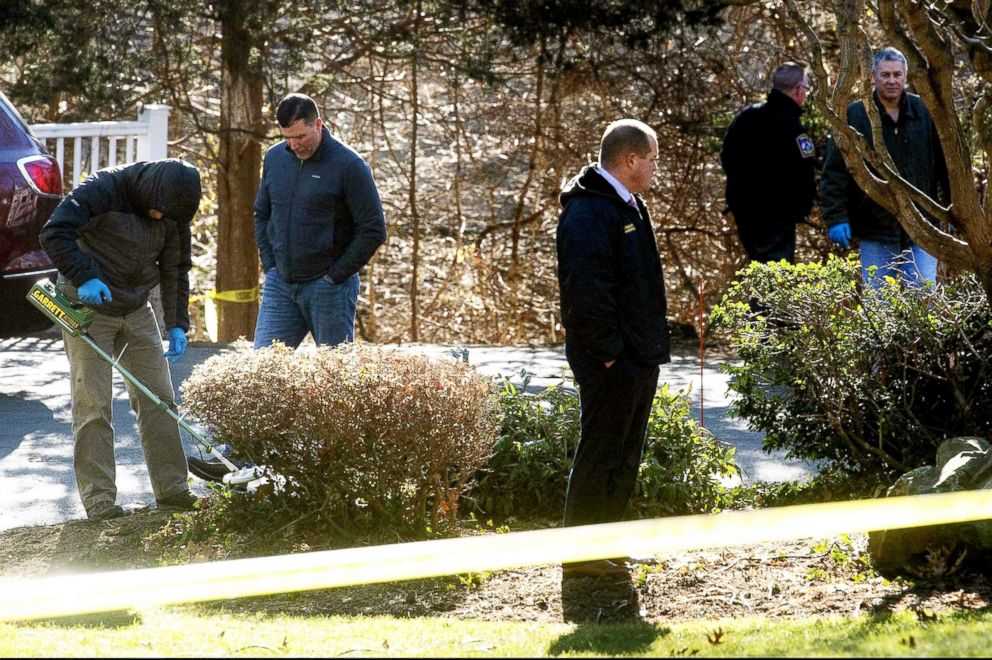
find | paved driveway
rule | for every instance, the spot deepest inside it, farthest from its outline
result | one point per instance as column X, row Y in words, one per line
column 36, row 479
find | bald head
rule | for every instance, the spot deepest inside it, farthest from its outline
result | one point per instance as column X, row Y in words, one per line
column 629, row 152
column 623, row 137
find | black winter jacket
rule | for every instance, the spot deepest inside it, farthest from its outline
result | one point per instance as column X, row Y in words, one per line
column 102, row 229
column 319, row 216
column 610, row 276
column 916, row 152
column 770, row 162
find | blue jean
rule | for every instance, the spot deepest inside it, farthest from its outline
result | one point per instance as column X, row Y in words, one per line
column 320, row 307
column 899, row 259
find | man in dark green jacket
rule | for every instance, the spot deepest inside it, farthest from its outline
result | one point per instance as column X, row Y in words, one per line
column 613, row 308
column 910, row 137
column 318, row 221
column 113, row 239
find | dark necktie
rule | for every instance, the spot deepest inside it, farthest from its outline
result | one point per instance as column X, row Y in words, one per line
column 633, row 204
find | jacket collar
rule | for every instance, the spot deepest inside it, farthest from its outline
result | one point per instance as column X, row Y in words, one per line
column 784, row 101
column 906, row 109
column 589, row 182
column 323, row 150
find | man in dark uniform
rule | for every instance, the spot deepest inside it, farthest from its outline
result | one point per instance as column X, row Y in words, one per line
column 769, row 160
column 613, row 308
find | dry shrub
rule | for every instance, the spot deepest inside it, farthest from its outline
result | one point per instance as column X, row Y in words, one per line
column 365, row 437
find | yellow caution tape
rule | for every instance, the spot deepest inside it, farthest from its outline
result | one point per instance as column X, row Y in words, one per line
column 233, row 295
column 137, row 589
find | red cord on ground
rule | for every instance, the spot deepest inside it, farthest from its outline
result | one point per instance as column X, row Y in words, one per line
column 702, row 418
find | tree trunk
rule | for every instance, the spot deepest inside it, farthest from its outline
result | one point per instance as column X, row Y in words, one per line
column 414, row 212
column 238, row 174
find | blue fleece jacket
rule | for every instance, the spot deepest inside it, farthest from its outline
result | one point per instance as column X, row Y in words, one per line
column 319, row 216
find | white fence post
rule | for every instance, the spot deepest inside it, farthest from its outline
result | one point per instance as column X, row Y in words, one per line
column 155, row 145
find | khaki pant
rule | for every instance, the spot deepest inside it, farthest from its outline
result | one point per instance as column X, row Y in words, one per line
column 135, row 339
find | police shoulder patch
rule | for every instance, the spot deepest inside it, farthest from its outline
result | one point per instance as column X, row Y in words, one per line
column 806, row 147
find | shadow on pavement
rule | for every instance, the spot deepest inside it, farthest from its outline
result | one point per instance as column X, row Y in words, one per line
column 29, row 415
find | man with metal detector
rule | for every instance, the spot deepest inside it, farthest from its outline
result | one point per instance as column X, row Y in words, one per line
column 114, row 238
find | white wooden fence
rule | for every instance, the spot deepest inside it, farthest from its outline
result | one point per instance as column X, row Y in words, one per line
column 88, row 146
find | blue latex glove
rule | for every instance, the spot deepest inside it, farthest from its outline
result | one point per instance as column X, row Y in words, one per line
column 94, row 292
column 840, row 234
column 177, row 345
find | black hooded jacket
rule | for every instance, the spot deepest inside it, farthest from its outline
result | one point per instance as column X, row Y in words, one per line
column 610, row 276
column 102, row 229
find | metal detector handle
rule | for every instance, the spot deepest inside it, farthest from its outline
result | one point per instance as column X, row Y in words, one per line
column 131, row 378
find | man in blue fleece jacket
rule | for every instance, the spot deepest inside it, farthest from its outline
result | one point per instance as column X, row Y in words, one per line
column 318, row 220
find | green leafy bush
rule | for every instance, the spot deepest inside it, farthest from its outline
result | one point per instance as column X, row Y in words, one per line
column 869, row 382
column 827, row 485
column 365, row 437
column 682, row 462
column 528, row 473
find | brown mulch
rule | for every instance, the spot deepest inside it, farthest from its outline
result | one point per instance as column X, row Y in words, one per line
column 784, row 580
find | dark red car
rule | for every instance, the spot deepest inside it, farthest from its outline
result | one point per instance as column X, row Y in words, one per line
column 30, row 189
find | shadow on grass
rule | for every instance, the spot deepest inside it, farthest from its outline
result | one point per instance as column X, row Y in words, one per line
column 608, row 614
column 114, row 619
column 610, row 639
column 407, row 599
column 972, row 589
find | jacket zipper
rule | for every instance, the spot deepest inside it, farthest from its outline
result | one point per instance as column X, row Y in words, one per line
column 292, row 214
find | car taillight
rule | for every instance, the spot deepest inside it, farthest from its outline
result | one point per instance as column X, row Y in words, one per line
column 43, row 173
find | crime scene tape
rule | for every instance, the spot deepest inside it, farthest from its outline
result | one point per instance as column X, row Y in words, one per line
column 151, row 587
column 233, row 295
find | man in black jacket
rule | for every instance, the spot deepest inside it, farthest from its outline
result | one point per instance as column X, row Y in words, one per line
column 910, row 137
column 613, row 308
column 769, row 160
column 113, row 239
column 318, row 221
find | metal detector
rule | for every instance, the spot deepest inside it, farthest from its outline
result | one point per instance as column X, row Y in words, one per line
column 75, row 318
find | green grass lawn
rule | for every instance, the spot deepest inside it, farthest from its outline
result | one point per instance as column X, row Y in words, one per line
column 210, row 631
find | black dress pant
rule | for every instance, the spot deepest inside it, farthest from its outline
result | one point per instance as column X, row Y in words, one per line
column 767, row 239
column 615, row 404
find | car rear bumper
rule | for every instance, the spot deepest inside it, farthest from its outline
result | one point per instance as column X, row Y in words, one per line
column 19, row 317
column 30, row 276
